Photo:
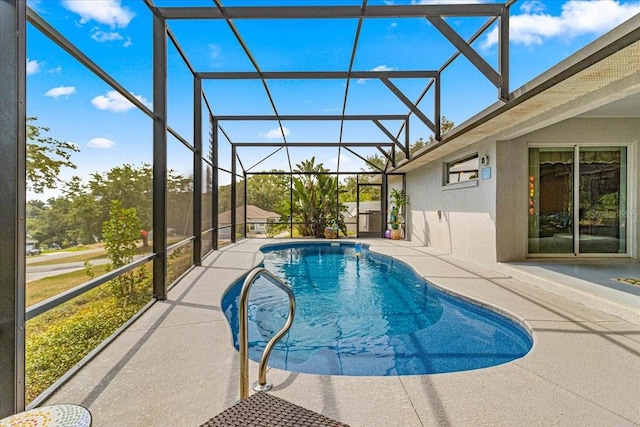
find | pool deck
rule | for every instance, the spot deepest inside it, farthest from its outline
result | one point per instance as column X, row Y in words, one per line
column 175, row 366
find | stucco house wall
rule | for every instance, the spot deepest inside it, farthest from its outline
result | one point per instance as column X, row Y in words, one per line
column 455, row 219
column 511, row 200
column 511, row 203
column 487, row 223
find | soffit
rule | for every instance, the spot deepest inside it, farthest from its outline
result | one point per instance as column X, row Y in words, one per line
column 556, row 95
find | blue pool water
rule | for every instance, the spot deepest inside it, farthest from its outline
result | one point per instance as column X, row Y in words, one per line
column 370, row 315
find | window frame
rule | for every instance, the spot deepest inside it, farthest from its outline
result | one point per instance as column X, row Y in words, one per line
column 472, row 181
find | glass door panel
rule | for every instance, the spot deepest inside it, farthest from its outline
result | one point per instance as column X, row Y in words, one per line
column 369, row 208
column 551, row 197
column 602, row 189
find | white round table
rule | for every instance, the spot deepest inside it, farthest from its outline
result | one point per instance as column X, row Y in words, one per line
column 50, row 416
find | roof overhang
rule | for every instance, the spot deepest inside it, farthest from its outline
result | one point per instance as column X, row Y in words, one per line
column 604, row 72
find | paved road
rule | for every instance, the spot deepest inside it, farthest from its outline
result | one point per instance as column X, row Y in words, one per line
column 36, row 272
column 42, row 271
column 60, row 254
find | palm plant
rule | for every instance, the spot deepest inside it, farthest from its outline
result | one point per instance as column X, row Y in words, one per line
column 398, row 201
column 315, row 200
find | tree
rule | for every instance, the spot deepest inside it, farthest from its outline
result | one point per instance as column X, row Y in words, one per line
column 133, row 186
column 445, row 126
column 78, row 215
column 129, row 184
column 55, row 223
column 418, row 145
column 315, row 200
column 350, row 189
column 378, row 162
column 179, row 202
column 121, row 233
column 84, row 215
column 268, row 192
column 46, row 157
column 224, row 198
column 35, row 208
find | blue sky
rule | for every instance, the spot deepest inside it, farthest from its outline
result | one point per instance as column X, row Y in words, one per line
column 116, row 34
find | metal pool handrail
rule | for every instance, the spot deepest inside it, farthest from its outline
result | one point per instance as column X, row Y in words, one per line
column 243, row 339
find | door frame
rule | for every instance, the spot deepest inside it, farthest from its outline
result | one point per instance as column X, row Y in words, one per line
column 376, row 233
column 631, row 208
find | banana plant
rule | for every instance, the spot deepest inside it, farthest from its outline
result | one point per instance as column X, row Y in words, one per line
column 315, row 200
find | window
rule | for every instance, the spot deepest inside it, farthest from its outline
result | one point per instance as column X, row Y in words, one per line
column 461, row 170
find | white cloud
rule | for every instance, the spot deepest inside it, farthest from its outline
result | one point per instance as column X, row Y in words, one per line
column 274, row 133
column 100, row 143
column 33, row 67
column 533, row 25
column 108, row 12
column 214, row 50
column 378, row 68
column 393, row 25
column 104, row 36
column 61, row 91
column 382, row 68
column 56, row 70
column 114, row 101
column 127, row 42
column 331, row 110
column 343, row 159
column 532, row 6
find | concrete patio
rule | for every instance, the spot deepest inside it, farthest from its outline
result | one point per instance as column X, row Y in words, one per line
column 176, row 366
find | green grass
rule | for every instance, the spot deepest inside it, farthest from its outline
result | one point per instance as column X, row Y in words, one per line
column 90, row 256
column 82, row 257
column 72, row 258
column 629, row 281
column 40, row 290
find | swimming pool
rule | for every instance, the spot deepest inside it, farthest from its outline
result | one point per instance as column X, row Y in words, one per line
column 368, row 315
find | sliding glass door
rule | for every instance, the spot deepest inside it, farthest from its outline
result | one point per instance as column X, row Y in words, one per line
column 577, row 200
column 603, row 200
column 551, row 175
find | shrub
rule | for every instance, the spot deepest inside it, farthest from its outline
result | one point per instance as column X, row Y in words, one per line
column 59, row 340
column 179, row 260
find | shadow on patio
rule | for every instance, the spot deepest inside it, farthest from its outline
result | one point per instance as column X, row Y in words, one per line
column 176, row 365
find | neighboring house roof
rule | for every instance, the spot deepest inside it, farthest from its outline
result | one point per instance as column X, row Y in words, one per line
column 595, row 81
column 253, row 213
